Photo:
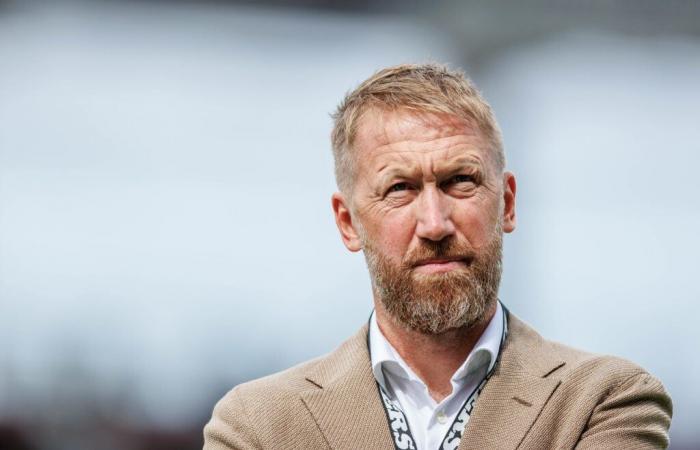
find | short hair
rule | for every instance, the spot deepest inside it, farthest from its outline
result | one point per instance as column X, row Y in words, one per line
column 423, row 88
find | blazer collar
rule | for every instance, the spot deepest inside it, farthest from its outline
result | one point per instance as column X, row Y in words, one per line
column 346, row 406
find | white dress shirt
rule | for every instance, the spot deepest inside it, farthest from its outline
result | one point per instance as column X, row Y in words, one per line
column 429, row 421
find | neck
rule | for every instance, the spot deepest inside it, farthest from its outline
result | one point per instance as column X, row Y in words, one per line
column 433, row 357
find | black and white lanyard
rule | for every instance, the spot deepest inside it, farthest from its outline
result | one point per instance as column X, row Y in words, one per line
column 398, row 424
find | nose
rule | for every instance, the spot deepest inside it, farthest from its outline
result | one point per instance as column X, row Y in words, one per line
column 434, row 215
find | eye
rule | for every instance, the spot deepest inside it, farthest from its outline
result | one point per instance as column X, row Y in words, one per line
column 462, row 178
column 461, row 183
column 403, row 186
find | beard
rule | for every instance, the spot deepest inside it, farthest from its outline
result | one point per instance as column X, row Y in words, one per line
column 433, row 303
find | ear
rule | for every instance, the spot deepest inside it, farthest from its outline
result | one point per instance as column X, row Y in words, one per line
column 343, row 220
column 508, row 202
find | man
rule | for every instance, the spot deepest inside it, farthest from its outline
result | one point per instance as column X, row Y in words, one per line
column 441, row 364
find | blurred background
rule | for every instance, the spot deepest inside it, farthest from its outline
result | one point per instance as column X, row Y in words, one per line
column 165, row 181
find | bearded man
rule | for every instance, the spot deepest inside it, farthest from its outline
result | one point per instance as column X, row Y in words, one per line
column 441, row 364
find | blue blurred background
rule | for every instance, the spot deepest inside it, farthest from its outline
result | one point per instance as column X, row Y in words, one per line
column 165, row 182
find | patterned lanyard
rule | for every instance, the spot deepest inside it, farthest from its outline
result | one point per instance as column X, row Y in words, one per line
column 398, row 424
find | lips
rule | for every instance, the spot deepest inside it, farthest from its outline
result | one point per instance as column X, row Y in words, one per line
column 440, row 260
column 437, row 265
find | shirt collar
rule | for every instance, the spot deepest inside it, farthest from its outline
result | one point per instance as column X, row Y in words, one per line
column 384, row 356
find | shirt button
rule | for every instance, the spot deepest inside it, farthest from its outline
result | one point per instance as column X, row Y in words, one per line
column 442, row 418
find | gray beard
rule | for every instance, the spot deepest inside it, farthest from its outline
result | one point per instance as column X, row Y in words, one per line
column 436, row 303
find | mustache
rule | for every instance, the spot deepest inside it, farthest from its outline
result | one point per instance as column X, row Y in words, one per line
column 448, row 248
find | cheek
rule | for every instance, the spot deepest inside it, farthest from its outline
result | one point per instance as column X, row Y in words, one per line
column 394, row 235
column 476, row 224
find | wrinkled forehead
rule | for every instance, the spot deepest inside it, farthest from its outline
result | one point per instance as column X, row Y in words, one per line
column 380, row 129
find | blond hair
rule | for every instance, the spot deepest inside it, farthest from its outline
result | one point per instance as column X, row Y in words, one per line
column 423, row 88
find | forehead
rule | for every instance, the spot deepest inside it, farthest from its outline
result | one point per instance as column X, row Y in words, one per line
column 402, row 133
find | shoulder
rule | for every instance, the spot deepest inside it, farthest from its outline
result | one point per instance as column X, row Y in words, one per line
column 257, row 413
column 243, row 417
column 308, row 375
column 628, row 407
column 574, row 365
column 272, row 389
column 603, row 400
column 596, row 379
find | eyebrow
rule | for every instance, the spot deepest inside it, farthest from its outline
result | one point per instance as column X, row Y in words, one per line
column 458, row 163
column 394, row 169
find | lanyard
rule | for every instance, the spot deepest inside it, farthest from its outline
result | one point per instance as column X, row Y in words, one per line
column 398, row 424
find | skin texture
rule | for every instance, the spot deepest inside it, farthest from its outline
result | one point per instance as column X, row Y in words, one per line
column 423, row 178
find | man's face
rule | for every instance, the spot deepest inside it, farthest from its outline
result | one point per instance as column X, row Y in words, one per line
column 428, row 208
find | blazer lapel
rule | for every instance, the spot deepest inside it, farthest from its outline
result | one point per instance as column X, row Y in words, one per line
column 345, row 402
column 519, row 388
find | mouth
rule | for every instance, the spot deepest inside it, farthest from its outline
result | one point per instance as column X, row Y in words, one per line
column 440, row 265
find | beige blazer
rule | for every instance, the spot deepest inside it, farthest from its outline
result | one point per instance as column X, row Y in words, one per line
column 542, row 395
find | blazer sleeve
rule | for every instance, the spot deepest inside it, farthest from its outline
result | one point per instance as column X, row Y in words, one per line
column 636, row 414
column 229, row 427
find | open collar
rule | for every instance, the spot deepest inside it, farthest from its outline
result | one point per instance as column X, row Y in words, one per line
column 343, row 399
column 386, row 359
